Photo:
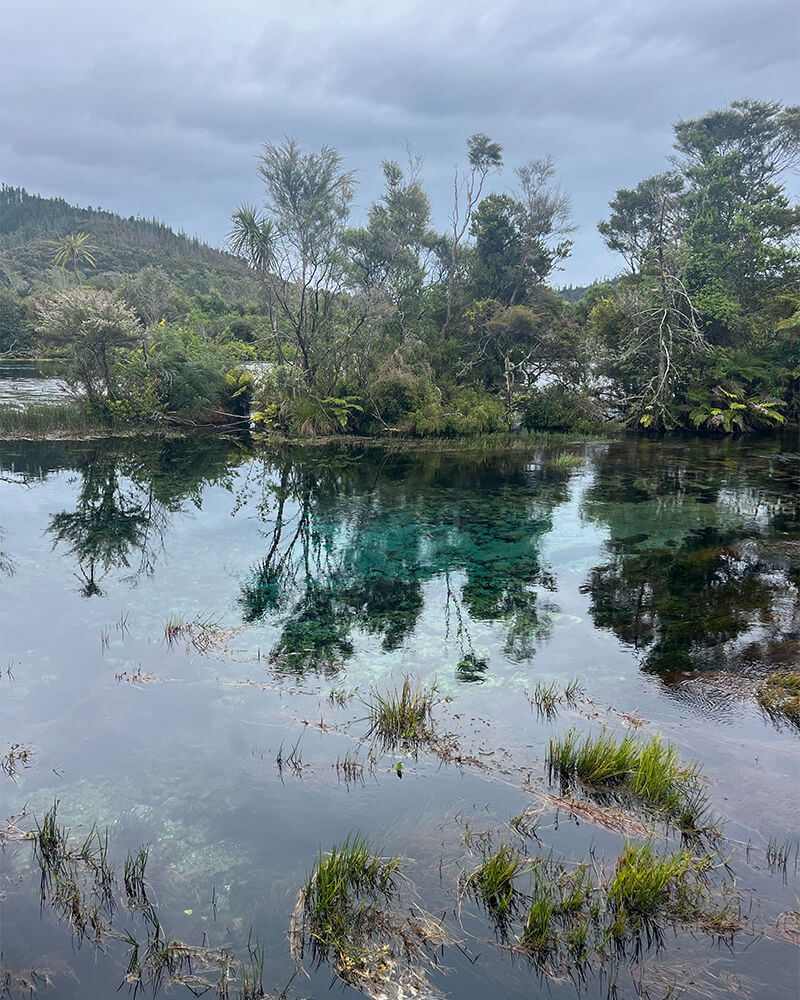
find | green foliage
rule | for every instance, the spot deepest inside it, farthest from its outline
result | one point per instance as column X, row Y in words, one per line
column 92, row 326
column 729, row 410
column 559, row 407
column 645, row 882
column 76, row 248
column 650, row 771
column 403, row 717
column 16, row 331
column 344, row 902
column 492, row 883
column 309, row 416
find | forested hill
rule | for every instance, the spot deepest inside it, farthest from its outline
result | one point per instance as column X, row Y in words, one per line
column 123, row 246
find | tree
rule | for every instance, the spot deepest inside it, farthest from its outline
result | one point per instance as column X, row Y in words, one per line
column 392, row 251
column 91, row 325
column 151, row 294
column 75, row 247
column 635, row 222
column 483, row 156
column 651, row 328
column 252, row 237
column 513, row 347
column 497, row 255
column 298, row 245
column 514, row 249
column 740, row 225
column 544, row 215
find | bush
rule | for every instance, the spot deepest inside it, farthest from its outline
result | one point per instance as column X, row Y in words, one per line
column 559, row 408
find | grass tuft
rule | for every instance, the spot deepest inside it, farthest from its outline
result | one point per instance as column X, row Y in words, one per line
column 650, row 771
column 404, row 716
column 779, row 695
column 492, row 884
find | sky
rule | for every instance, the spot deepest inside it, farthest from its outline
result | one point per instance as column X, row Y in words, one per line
column 161, row 108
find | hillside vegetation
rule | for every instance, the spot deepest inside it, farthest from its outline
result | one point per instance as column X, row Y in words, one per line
column 29, row 222
column 392, row 327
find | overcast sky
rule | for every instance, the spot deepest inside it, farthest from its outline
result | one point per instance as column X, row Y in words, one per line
column 160, row 108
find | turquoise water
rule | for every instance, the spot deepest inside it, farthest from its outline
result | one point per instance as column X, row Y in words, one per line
column 663, row 576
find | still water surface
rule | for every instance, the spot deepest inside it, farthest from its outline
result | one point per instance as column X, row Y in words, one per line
column 662, row 575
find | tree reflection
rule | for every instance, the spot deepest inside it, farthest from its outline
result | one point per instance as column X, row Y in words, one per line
column 124, row 501
column 710, row 580
column 108, row 522
column 355, row 539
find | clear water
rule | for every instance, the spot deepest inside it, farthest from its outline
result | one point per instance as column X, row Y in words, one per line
column 663, row 575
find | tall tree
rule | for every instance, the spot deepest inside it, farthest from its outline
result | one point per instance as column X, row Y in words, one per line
column 741, row 227
column 483, row 157
column 307, row 199
column 520, row 240
column 650, row 330
column 252, row 237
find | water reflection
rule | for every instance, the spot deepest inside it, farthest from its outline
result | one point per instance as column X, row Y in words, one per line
column 125, row 498
column 354, row 541
column 703, row 563
column 701, row 569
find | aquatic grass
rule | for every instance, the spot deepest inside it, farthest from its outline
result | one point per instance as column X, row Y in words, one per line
column 41, row 419
column 525, row 825
column 202, row 631
column 134, row 877
column 778, row 855
column 348, row 915
column 339, row 900
column 568, row 460
column 779, row 695
column 404, row 716
column 50, row 840
column 252, row 974
column 597, row 761
column 573, row 691
column 573, row 914
column 650, row 771
column 646, row 882
column 349, row 768
column 339, row 697
column 18, row 756
column 293, row 759
column 78, row 882
column 545, row 698
column 492, row 883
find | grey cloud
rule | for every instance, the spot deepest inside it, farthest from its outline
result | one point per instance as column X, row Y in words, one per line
column 165, row 112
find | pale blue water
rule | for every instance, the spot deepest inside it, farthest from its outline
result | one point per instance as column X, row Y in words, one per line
column 639, row 572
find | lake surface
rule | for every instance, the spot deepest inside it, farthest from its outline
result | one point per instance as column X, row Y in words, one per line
column 23, row 382
column 663, row 575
